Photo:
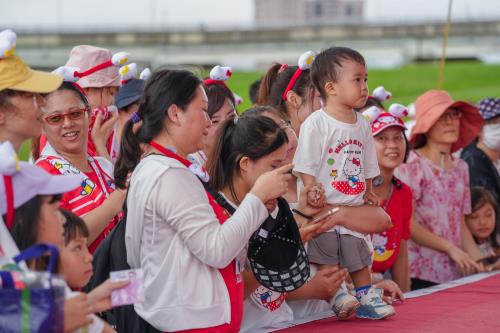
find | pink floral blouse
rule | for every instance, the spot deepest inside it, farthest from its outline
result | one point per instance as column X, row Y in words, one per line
column 441, row 197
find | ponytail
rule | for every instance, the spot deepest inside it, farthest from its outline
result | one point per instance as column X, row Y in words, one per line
column 266, row 84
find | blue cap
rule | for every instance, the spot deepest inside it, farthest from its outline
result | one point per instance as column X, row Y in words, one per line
column 129, row 93
column 489, row 108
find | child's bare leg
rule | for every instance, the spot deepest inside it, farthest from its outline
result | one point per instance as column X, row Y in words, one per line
column 361, row 278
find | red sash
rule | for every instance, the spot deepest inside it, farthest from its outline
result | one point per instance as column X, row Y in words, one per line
column 234, row 287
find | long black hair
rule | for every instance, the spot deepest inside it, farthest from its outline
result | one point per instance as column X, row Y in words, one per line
column 163, row 89
column 251, row 136
column 480, row 196
column 25, row 226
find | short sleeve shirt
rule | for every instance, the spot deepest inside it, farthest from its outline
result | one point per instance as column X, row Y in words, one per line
column 442, row 198
column 387, row 244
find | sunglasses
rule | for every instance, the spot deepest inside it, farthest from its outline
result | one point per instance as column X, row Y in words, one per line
column 59, row 118
column 453, row 114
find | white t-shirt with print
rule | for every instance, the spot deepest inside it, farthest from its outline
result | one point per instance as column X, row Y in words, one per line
column 340, row 156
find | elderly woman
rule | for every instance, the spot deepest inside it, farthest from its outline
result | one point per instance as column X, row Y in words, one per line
column 442, row 247
column 66, row 125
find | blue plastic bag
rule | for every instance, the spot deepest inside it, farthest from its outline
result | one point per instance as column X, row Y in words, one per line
column 36, row 303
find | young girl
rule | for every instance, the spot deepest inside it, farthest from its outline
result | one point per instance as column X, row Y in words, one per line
column 76, row 260
column 390, row 246
column 289, row 89
column 482, row 225
column 30, row 207
column 221, row 105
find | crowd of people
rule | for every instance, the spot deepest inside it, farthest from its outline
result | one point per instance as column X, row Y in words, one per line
column 314, row 200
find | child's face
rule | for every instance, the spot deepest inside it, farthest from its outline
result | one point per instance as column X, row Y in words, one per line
column 76, row 262
column 51, row 223
column 351, row 88
column 481, row 222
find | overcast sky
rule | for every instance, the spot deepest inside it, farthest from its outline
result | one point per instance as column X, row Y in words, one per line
column 182, row 13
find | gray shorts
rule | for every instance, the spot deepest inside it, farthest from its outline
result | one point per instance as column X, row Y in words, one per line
column 332, row 248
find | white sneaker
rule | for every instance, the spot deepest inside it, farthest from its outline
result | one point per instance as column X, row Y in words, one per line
column 373, row 307
column 344, row 304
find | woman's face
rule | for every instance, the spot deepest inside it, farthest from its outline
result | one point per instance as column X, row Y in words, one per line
column 290, row 133
column 481, row 222
column 23, row 119
column 51, row 222
column 306, row 107
column 390, row 147
column 250, row 170
column 66, row 122
column 226, row 112
column 447, row 129
column 195, row 123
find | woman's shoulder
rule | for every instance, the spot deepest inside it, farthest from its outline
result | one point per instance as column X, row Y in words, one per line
column 403, row 188
column 412, row 164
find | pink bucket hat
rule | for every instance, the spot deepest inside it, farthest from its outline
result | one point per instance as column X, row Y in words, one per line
column 87, row 56
column 431, row 105
column 21, row 181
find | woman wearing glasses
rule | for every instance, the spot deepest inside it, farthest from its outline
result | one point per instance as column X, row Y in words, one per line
column 65, row 121
column 441, row 247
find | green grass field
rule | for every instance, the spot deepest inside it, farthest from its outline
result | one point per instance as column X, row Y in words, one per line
column 469, row 81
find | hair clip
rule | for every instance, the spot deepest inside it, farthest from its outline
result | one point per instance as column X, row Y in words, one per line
column 145, row 74
column 305, row 62
column 8, row 40
column 380, row 94
column 73, row 74
column 127, row 72
column 219, row 75
column 282, row 68
column 135, row 117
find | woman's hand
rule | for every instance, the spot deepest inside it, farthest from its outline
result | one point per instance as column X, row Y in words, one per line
column 100, row 296
column 101, row 132
column 392, row 291
column 77, row 311
column 464, row 261
column 102, row 129
column 325, row 284
column 272, row 184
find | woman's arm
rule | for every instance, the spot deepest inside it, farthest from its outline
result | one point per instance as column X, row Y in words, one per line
column 468, row 243
column 323, row 285
column 366, row 219
column 400, row 271
column 250, row 282
column 98, row 218
column 424, row 237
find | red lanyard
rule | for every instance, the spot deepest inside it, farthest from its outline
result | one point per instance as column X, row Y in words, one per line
column 169, row 153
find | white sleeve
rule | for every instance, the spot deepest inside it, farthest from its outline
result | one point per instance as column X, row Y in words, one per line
column 182, row 202
column 308, row 154
column 370, row 163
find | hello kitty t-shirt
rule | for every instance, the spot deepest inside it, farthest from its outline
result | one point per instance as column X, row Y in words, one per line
column 340, row 155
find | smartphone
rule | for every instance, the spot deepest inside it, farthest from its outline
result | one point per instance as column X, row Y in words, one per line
column 324, row 215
